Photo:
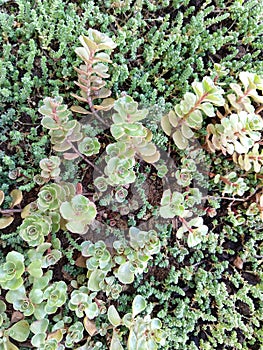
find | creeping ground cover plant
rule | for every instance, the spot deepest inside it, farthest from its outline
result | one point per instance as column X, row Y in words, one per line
column 114, row 208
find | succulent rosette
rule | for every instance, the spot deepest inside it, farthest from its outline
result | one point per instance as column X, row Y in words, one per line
column 120, row 171
column 34, row 228
column 79, row 213
column 12, row 270
column 89, row 146
column 50, row 197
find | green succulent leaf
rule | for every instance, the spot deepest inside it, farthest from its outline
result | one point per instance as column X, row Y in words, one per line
column 19, row 331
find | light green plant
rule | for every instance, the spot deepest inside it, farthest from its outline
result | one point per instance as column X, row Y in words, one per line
column 196, row 231
column 89, row 146
column 241, row 99
column 79, row 213
column 34, row 229
column 12, row 270
column 82, row 302
column 145, row 333
column 233, row 184
column 188, row 114
column 74, row 334
column 55, row 296
column 50, row 167
column 94, row 70
column 236, row 133
column 172, row 204
column 120, row 171
column 97, row 254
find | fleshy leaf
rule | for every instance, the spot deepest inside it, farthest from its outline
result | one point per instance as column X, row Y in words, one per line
column 6, row 221
column 17, row 197
column 114, row 316
column 19, row 331
column 138, row 305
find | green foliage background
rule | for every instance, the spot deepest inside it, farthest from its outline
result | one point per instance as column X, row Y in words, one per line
column 162, row 47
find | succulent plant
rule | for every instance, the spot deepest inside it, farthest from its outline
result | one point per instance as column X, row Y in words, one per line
column 34, row 228
column 241, row 100
column 172, row 204
column 101, row 183
column 111, row 287
column 40, row 340
column 12, row 270
column 236, row 133
column 251, row 160
column 20, row 301
column 89, row 146
column 97, row 254
column 79, row 213
column 55, row 296
column 62, row 130
column 91, row 74
column 81, row 301
column 188, row 114
column 196, row 231
column 120, row 171
column 145, row 333
column 119, row 149
column 233, row 184
column 50, row 197
column 50, row 167
column 128, row 130
column 127, row 111
column 74, row 334
column 121, row 194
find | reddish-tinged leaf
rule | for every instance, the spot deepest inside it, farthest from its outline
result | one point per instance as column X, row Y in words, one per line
column 238, row 263
column 70, row 156
column 80, row 110
column 81, row 261
column 90, row 326
column 17, row 316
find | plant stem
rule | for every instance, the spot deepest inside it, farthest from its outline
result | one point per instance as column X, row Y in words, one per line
column 84, row 158
column 7, row 211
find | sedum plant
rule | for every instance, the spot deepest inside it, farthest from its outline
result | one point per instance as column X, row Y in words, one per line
column 82, row 302
column 188, row 114
column 240, row 100
column 144, row 333
column 12, row 270
column 93, row 71
column 79, row 213
column 172, row 204
column 50, row 168
column 196, row 231
column 34, row 229
column 236, row 133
